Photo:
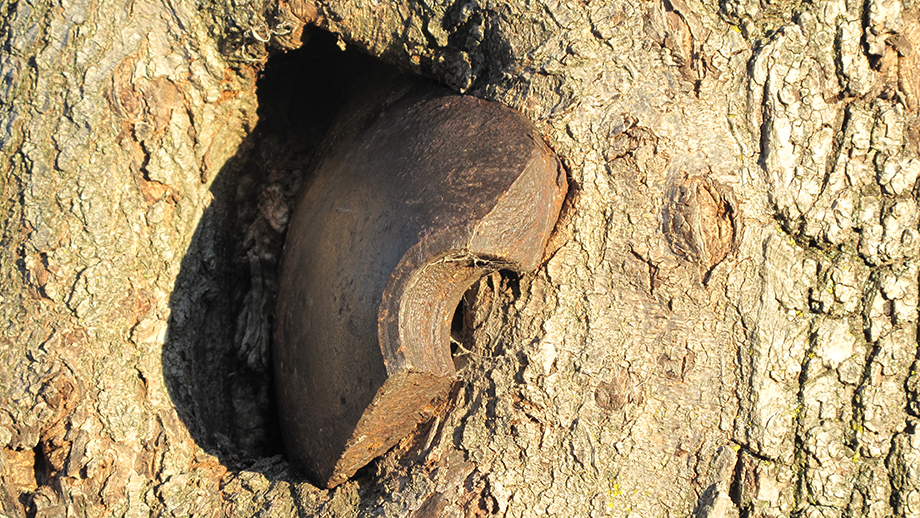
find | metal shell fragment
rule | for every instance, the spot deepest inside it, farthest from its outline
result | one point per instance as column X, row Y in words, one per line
column 417, row 194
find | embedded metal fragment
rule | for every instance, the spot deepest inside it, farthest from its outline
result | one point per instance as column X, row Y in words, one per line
column 417, row 194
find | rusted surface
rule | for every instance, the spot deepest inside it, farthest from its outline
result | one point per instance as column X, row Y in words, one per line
column 418, row 193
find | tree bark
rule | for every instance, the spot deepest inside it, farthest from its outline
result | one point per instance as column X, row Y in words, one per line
column 725, row 323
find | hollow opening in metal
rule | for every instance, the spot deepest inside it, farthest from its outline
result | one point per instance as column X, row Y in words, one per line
column 462, row 326
column 459, row 328
column 473, row 310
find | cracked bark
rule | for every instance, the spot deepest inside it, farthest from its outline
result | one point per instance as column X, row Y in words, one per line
column 725, row 325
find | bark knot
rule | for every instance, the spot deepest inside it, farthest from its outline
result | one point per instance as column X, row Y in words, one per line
column 700, row 221
column 618, row 391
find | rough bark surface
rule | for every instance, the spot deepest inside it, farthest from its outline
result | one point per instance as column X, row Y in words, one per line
column 725, row 324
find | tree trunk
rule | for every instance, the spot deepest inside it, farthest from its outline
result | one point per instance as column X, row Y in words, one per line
column 725, row 323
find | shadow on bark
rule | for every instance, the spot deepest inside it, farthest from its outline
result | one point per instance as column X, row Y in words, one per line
column 216, row 357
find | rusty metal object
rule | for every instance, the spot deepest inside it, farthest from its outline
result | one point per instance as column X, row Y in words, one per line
column 418, row 194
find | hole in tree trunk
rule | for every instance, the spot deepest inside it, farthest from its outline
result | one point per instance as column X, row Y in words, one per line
column 216, row 356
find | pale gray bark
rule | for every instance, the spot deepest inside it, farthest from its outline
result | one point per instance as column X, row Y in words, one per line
column 726, row 323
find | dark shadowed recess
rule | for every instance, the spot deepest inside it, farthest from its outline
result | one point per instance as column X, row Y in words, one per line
column 216, row 358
